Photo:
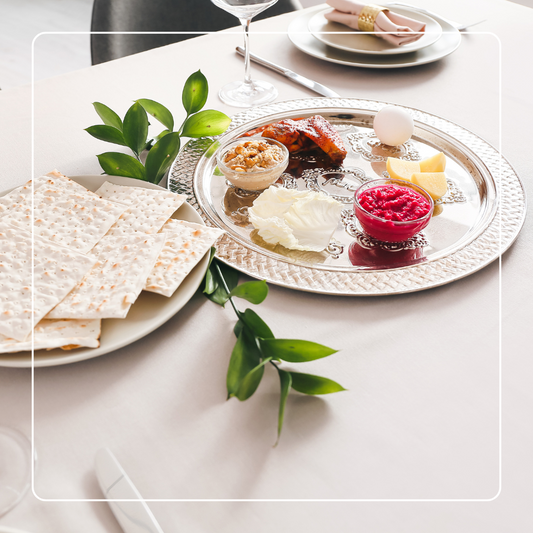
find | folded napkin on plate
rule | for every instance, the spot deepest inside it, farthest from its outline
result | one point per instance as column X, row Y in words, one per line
column 403, row 28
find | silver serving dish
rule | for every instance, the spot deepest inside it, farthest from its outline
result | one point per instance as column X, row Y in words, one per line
column 474, row 223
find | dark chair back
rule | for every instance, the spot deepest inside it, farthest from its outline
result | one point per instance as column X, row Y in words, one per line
column 160, row 16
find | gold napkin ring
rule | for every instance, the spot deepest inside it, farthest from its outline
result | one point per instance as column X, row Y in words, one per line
column 368, row 16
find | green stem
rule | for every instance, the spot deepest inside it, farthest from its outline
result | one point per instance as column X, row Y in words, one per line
column 226, row 288
column 183, row 123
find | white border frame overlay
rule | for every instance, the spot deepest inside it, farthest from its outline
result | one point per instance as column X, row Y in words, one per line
column 306, row 500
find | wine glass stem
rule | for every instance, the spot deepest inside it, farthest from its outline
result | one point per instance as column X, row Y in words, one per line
column 246, row 30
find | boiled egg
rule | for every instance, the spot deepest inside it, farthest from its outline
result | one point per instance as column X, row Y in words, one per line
column 393, row 125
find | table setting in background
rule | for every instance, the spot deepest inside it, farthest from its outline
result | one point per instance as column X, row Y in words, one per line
column 277, row 293
column 329, row 35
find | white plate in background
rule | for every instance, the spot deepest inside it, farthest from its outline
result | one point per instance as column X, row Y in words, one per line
column 303, row 40
column 351, row 40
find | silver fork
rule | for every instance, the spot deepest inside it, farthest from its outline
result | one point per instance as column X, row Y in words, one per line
column 456, row 25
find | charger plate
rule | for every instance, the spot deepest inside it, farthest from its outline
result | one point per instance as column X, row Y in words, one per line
column 477, row 220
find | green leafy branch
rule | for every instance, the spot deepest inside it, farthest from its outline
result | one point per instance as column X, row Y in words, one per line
column 132, row 132
column 256, row 346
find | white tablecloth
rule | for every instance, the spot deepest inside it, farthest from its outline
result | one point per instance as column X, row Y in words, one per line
column 416, row 444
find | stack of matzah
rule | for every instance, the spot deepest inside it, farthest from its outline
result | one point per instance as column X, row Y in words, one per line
column 93, row 253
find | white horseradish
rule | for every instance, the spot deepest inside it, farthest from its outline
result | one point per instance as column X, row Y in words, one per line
column 299, row 220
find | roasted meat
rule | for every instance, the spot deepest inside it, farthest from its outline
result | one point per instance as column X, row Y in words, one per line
column 304, row 134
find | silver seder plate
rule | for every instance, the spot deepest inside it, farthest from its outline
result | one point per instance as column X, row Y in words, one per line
column 477, row 220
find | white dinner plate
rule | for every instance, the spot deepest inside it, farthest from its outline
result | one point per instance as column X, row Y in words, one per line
column 303, row 40
column 5, row 529
column 150, row 310
column 346, row 38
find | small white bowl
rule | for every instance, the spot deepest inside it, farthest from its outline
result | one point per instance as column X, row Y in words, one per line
column 255, row 180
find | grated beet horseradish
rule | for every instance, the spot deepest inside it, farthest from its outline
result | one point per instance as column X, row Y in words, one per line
column 391, row 202
column 392, row 213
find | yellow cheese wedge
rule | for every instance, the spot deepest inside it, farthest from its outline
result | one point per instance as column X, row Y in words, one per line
column 400, row 169
column 436, row 163
column 434, row 183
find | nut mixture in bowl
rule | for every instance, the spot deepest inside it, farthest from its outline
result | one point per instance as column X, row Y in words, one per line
column 251, row 156
column 253, row 164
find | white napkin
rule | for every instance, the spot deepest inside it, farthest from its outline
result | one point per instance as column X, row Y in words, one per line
column 347, row 12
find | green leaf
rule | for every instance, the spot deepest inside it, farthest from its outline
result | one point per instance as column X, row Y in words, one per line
column 135, row 128
column 256, row 324
column 109, row 117
column 148, row 145
column 285, row 381
column 163, row 133
column 109, row 134
column 253, row 291
column 212, row 252
column 117, row 164
column 231, row 277
column 310, row 384
column 251, row 381
column 195, row 93
column 206, row 123
column 161, row 155
column 217, row 172
column 238, row 328
column 158, row 111
column 210, row 283
column 294, row 351
column 242, row 361
column 219, row 295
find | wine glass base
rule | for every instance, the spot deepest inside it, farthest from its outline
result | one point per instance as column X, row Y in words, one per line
column 241, row 94
column 15, row 468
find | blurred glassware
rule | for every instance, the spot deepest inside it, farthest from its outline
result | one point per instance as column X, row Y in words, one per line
column 246, row 93
column 15, row 468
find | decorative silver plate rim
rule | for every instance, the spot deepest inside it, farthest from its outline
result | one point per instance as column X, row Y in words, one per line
column 491, row 242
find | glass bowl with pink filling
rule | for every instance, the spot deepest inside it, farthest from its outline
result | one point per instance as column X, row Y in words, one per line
column 254, row 163
column 392, row 210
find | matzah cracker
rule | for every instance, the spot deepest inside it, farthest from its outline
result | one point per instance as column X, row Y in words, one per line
column 54, row 178
column 72, row 219
column 14, row 198
column 49, row 334
column 57, row 179
column 186, row 243
column 115, row 281
column 57, row 271
column 148, row 209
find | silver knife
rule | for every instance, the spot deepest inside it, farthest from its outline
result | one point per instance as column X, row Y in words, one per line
column 297, row 78
column 134, row 516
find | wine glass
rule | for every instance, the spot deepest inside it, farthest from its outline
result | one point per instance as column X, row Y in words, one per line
column 15, row 467
column 247, row 93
